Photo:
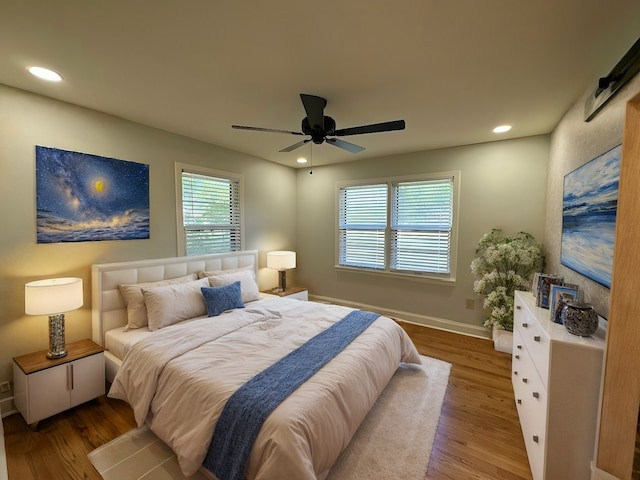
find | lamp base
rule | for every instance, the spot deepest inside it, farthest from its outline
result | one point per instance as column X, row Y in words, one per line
column 54, row 355
column 56, row 336
column 282, row 280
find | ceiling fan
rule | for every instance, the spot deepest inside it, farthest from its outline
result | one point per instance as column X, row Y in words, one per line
column 322, row 128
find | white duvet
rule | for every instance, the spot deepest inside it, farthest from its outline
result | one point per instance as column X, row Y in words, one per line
column 179, row 379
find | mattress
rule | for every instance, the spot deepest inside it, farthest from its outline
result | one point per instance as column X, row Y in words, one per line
column 119, row 340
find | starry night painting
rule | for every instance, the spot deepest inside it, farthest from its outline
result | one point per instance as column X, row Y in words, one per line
column 590, row 204
column 83, row 197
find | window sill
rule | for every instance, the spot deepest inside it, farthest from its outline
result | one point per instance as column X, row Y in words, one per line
column 449, row 281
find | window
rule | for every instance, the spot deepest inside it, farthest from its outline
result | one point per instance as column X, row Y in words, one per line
column 209, row 211
column 403, row 225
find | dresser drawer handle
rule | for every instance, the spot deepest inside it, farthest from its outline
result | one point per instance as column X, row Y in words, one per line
column 536, row 395
column 524, row 380
column 535, row 438
column 525, row 324
column 519, row 347
column 536, row 338
column 517, row 357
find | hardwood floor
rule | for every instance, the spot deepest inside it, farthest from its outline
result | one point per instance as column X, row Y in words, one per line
column 478, row 435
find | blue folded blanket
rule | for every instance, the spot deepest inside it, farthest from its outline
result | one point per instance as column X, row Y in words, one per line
column 248, row 408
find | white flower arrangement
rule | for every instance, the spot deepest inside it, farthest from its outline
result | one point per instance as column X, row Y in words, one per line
column 503, row 265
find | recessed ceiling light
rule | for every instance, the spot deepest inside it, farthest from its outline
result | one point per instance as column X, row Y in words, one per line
column 502, row 129
column 302, row 160
column 45, row 74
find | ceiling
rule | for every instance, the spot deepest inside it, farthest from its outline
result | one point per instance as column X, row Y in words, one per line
column 452, row 70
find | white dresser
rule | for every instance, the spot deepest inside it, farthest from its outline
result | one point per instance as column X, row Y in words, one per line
column 556, row 381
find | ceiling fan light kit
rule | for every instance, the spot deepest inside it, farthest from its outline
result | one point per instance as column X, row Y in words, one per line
column 322, row 128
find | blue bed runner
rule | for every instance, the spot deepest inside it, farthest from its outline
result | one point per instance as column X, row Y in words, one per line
column 247, row 409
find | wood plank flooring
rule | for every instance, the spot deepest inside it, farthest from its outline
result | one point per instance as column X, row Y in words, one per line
column 478, row 436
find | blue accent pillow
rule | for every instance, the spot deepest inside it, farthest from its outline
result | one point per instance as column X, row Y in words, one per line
column 221, row 299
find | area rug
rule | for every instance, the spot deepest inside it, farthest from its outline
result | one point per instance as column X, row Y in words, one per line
column 393, row 441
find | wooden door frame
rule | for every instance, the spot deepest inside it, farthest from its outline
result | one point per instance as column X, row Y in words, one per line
column 620, row 399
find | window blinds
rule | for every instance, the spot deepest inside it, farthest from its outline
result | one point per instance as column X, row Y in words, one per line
column 418, row 216
column 421, row 222
column 362, row 223
column 211, row 213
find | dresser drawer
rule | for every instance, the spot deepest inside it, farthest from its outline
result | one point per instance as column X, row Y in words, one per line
column 536, row 342
column 531, row 401
column 535, row 445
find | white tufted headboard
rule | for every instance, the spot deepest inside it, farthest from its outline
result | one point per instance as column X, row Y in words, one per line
column 108, row 310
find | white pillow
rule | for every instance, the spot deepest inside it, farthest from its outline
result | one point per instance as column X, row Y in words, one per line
column 217, row 273
column 171, row 304
column 133, row 299
column 248, row 284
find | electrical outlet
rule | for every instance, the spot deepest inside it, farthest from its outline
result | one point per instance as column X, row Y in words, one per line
column 470, row 304
column 5, row 387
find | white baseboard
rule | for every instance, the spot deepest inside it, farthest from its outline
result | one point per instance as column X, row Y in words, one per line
column 7, row 407
column 425, row 320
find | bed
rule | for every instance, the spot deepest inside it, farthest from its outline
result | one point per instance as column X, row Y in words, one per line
column 179, row 376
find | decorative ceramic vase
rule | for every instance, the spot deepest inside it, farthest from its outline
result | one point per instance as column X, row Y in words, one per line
column 579, row 318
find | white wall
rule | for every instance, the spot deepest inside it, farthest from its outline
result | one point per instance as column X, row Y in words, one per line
column 575, row 142
column 503, row 184
column 27, row 120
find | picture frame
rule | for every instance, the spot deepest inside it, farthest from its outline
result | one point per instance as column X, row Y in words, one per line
column 559, row 295
column 545, row 281
column 82, row 197
column 589, row 207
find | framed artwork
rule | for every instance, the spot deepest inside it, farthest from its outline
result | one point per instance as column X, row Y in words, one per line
column 83, row 197
column 561, row 294
column 589, row 206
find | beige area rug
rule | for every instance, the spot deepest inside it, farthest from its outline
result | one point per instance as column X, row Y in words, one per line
column 393, row 441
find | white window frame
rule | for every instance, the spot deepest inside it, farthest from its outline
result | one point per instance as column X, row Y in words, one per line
column 449, row 278
column 183, row 167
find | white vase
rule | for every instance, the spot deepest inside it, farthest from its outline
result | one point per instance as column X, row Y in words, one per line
column 503, row 340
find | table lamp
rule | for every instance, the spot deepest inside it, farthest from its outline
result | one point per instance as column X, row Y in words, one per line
column 53, row 297
column 282, row 261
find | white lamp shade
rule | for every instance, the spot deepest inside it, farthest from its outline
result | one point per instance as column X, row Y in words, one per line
column 281, row 260
column 52, row 296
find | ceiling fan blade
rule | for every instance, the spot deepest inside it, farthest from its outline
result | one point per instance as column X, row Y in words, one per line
column 349, row 147
column 373, row 128
column 260, row 129
column 314, row 106
column 295, row 145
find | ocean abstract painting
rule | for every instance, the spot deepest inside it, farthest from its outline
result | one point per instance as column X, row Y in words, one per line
column 589, row 206
column 83, row 197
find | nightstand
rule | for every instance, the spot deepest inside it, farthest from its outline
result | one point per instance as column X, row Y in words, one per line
column 293, row 292
column 44, row 387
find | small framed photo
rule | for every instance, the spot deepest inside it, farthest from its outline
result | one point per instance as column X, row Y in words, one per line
column 558, row 296
column 545, row 281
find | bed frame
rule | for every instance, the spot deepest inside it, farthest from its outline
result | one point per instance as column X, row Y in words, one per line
column 108, row 309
